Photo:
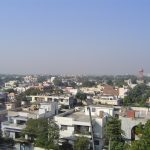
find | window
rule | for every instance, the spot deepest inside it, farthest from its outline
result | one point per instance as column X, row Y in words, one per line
column 81, row 129
column 96, row 142
column 55, row 100
column 93, row 109
column 63, row 127
column 50, row 99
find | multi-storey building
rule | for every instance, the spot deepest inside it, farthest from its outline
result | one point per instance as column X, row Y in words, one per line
column 75, row 123
column 17, row 118
column 106, row 99
column 10, row 84
column 62, row 100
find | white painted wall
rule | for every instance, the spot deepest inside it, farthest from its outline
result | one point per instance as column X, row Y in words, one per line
column 107, row 111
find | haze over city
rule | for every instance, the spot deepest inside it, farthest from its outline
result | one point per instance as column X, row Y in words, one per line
column 74, row 37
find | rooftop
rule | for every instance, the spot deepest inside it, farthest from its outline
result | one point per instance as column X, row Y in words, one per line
column 135, row 112
column 110, row 90
column 79, row 116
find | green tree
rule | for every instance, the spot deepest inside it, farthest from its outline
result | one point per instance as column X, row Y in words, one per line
column 87, row 83
column 144, row 142
column 139, row 129
column 66, row 146
column 58, row 91
column 43, row 133
column 48, row 89
column 110, row 82
column 41, row 79
column 19, row 98
column 120, row 82
column 10, row 90
column 33, row 91
column 72, row 84
column 113, row 134
column 139, row 145
column 113, row 128
column 82, row 143
column 138, row 95
column 58, row 82
column 81, row 96
column 117, row 145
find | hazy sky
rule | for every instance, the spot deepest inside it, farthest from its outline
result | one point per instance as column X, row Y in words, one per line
column 74, row 36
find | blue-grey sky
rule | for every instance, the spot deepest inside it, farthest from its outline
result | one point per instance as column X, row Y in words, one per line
column 74, row 36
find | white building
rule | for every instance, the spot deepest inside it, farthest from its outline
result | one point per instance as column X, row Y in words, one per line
column 10, row 84
column 62, row 100
column 10, row 106
column 11, row 96
column 77, row 123
column 71, row 90
column 17, row 119
column 130, row 84
column 130, row 118
column 123, row 92
column 106, row 100
column 21, row 89
column 52, row 79
column 30, row 79
column 91, row 90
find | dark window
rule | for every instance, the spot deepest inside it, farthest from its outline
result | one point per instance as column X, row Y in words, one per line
column 96, row 142
column 55, row 100
column 63, row 127
column 93, row 109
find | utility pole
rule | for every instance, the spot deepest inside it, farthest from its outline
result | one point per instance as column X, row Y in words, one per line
column 92, row 132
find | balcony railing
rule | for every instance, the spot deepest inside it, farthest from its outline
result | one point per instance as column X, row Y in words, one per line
column 82, row 132
column 12, row 125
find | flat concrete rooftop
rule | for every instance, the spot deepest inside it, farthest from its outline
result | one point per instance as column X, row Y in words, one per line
column 79, row 116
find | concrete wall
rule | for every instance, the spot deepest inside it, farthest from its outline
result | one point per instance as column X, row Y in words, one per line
column 128, row 123
column 108, row 102
column 109, row 111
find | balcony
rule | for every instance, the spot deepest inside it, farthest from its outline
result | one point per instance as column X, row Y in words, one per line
column 9, row 125
column 82, row 131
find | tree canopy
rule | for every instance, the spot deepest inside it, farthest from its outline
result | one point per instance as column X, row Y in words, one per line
column 87, row 83
column 10, row 90
column 82, row 143
column 113, row 134
column 144, row 142
column 43, row 133
column 33, row 91
column 81, row 96
column 138, row 95
column 58, row 82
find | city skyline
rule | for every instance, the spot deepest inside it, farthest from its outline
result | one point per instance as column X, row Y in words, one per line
column 74, row 37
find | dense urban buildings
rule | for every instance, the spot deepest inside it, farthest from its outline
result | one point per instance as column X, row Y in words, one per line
column 79, row 106
column 74, row 75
